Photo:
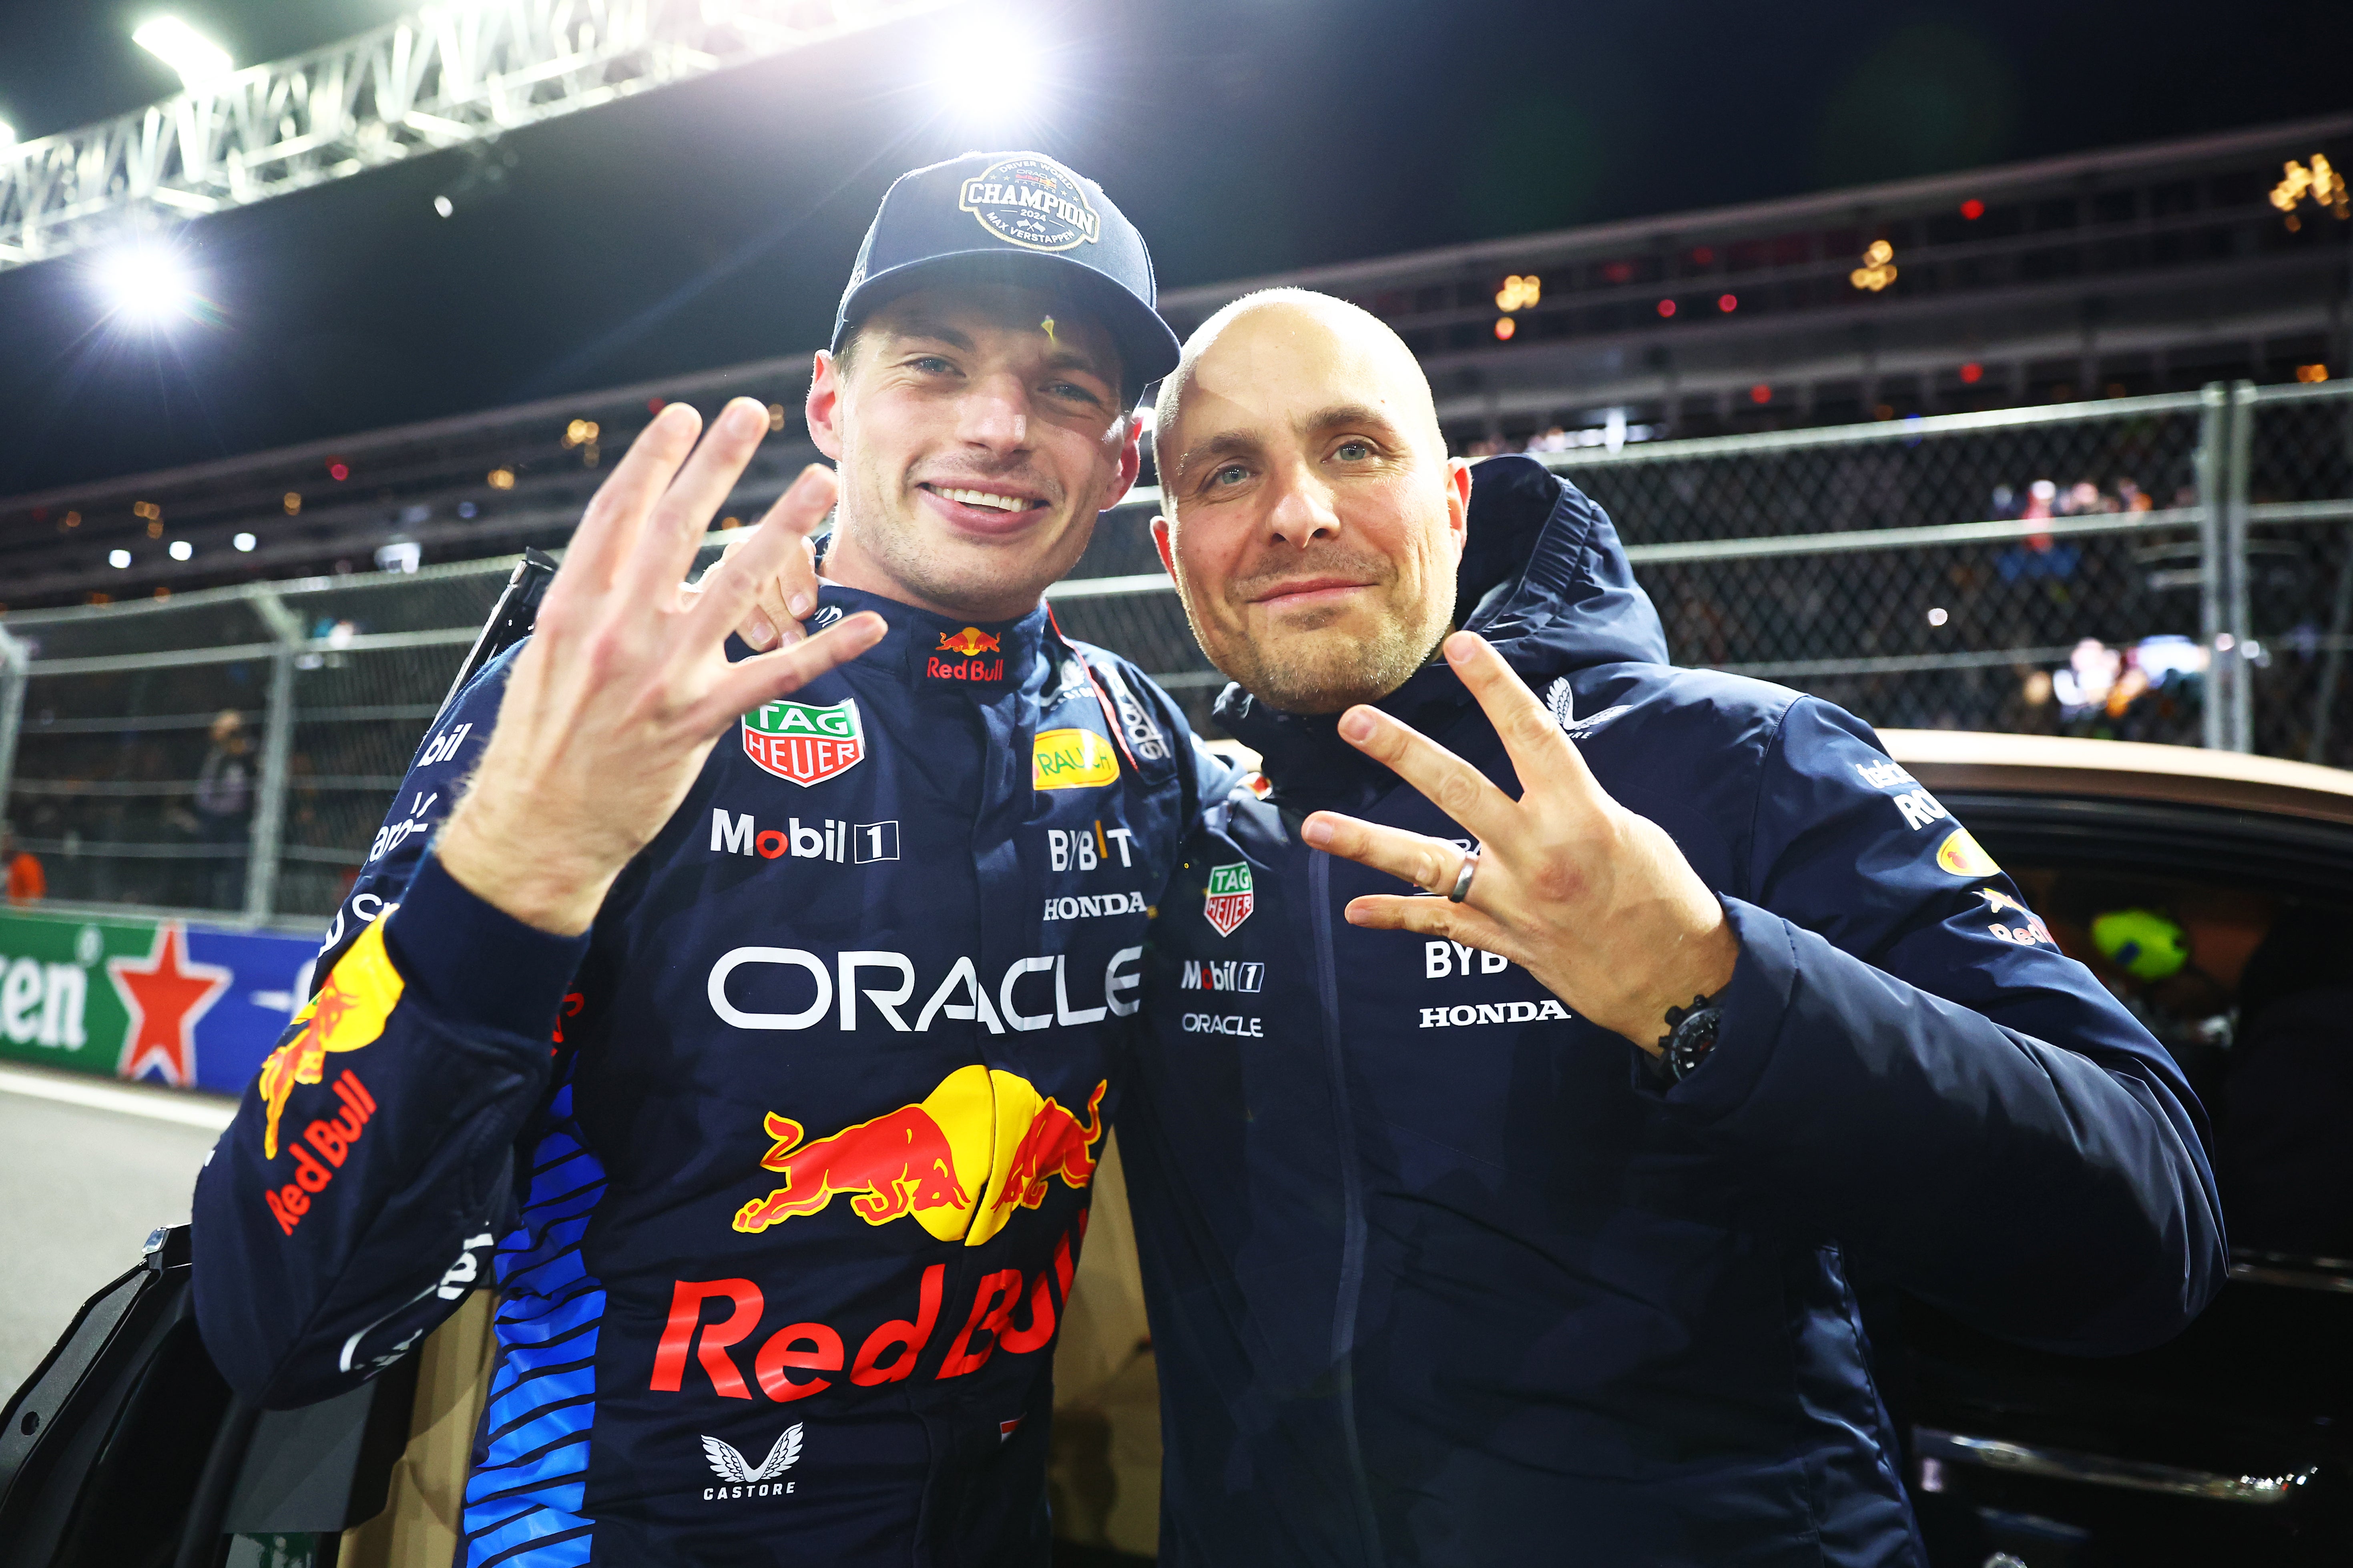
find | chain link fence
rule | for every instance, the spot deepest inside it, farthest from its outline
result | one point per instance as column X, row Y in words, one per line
column 2175, row 569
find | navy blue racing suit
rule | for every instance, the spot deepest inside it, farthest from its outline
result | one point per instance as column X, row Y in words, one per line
column 1440, row 1273
column 782, row 1169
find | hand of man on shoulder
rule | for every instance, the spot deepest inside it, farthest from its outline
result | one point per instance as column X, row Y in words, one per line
column 624, row 684
column 1593, row 900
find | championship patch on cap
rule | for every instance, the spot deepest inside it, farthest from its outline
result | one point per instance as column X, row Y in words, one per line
column 1034, row 202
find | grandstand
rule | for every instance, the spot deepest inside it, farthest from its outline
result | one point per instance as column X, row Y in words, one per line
column 2152, row 268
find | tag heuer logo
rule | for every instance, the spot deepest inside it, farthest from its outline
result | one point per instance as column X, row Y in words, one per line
column 1229, row 896
column 1034, row 202
column 806, row 743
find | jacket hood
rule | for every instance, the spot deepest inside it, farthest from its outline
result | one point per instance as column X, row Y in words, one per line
column 1543, row 577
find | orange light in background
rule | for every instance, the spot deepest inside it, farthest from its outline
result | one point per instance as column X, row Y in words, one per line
column 1519, row 293
column 1878, row 269
column 499, row 478
column 1972, row 372
column 2312, row 372
column 1728, row 303
column 776, row 418
column 1666, row 307
column 1760, row 394
column 1505, row 328
column 1973, row 209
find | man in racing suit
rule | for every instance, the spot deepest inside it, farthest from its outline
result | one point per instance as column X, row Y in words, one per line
column 766, row 1077
column 1510, row 1222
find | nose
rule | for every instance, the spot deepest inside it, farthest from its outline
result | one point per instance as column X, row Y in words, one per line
column 994, row 415
column 1303, row 511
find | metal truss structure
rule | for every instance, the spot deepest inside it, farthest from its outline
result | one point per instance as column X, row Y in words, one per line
column 443, row 76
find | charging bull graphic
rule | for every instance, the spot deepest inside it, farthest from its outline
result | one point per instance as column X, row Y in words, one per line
column 348, row 1012
column 982, row 1144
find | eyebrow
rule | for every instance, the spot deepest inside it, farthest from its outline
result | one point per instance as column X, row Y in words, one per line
column 1242, row 443
column 1064, row 357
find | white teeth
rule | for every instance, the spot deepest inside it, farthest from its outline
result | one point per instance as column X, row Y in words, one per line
column 982, row 498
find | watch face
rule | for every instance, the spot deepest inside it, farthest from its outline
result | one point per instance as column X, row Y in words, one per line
column 1691, row 1040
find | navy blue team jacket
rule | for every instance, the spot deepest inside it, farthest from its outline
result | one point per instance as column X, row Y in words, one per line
column 1439, row 1273
column 783, row 1168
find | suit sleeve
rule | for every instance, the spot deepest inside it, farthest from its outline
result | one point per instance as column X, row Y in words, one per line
column 372, row 1165
column 1930, row 1081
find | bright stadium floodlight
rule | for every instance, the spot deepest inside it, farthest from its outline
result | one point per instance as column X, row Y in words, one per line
column 144, row 283
column 7, row 136
column 197, row 59
column 987, row 74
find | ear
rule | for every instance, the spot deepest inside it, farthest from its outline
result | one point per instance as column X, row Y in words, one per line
column 823, row 408
column 1131, row 462
column 1458, row 503
column 1160, row 541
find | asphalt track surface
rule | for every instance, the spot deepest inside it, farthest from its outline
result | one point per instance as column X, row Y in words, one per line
column 87, row 1168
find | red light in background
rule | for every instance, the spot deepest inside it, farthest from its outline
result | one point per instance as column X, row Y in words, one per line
column 1505, row 328
column 1703, row 256
column 1728, row 303
column 1666, row 307
column 656, row 404
column 1972, row 372
column 1760, row 393
column 338, row 470
column 1973, row 209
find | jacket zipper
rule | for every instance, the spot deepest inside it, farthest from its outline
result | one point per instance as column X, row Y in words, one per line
column 1352, row 1198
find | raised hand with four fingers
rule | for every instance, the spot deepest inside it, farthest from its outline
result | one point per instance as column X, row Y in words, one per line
column 1593, row 900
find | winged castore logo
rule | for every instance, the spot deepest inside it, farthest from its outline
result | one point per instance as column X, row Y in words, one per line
column 741, row 1478
column 806, row 743
column 1032, row 202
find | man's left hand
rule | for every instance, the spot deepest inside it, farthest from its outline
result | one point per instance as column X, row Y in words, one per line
column 1593, row 900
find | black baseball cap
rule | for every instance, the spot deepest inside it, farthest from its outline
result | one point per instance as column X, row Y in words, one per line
column 1018, row 217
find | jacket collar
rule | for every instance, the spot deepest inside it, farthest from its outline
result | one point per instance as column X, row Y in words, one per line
column 978, row 658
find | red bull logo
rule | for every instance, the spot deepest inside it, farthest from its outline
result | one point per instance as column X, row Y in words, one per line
column 1055, row 1144
column 982, row 1144
column 348, row 1012
column 971, row 642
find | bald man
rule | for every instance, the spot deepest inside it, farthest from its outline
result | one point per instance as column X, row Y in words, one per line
column 1505, row 1217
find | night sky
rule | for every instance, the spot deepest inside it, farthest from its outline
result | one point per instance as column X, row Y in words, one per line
column 714, row 221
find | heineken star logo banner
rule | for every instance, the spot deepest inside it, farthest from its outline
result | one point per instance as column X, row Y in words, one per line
column 164, row 1001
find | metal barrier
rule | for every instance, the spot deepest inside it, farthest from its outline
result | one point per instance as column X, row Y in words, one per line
column 2175, row 568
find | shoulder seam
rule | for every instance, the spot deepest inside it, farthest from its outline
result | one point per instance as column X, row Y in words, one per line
column 1757, row 802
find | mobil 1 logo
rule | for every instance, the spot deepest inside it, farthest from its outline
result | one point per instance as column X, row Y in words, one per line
column 820, row 838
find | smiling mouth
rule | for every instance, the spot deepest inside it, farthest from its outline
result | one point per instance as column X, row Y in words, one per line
column 988, row 499
column 1314, row 592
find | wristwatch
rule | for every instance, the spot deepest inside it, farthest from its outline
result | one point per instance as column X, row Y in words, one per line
column 1690, row 1035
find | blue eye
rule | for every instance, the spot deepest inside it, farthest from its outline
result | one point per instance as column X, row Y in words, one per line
column 1353, row 449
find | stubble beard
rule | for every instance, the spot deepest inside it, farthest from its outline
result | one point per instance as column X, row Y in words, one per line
column 1326, row 670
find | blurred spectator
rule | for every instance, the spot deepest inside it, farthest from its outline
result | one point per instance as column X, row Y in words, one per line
column 224, row 804
column 27, row 883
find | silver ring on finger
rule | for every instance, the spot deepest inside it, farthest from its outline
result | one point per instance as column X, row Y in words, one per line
column 1461, row 888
